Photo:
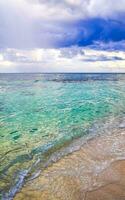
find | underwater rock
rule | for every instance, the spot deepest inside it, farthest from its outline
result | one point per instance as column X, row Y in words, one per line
column 11, row 133
column 36, row 81
column 33, row 130
column 16, row 137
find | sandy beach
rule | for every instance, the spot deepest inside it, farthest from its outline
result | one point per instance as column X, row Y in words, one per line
column 95, row 172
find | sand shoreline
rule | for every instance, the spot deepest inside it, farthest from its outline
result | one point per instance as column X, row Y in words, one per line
column 95, row 172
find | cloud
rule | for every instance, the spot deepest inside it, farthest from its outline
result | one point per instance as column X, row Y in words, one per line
column 71, row 52
column 110, row 46
column 102, row 58
column 73, row 59
column 62, row 36
column 80, row 9
column 28, row 24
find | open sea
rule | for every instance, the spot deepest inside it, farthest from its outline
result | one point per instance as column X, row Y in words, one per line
column 41, row 115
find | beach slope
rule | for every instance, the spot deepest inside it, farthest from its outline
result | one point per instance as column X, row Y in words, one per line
column 95, row 172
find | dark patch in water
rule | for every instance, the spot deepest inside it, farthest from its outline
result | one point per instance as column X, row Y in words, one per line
column 16, row 137
column 1, row 106
column 81, row 77
column 36, row 81
column 33, row 130
column 45, row 135
column 1, row 109
column 13, row 132
column 38, row 110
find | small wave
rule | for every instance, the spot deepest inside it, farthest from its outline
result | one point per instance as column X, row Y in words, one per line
column 19, row 183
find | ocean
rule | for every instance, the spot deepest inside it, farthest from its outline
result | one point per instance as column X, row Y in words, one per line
column 42, row 116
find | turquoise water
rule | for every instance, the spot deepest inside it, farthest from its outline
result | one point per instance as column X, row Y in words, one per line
column 40, row 113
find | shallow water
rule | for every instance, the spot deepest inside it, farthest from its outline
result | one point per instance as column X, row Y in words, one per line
column 40, row 113
column 96, row 171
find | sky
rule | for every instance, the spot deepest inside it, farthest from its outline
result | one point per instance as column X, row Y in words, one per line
column 62, row 36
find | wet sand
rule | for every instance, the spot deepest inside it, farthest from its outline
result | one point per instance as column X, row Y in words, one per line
column 95, row 172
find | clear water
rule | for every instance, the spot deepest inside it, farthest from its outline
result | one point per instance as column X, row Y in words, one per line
column 40, row 113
